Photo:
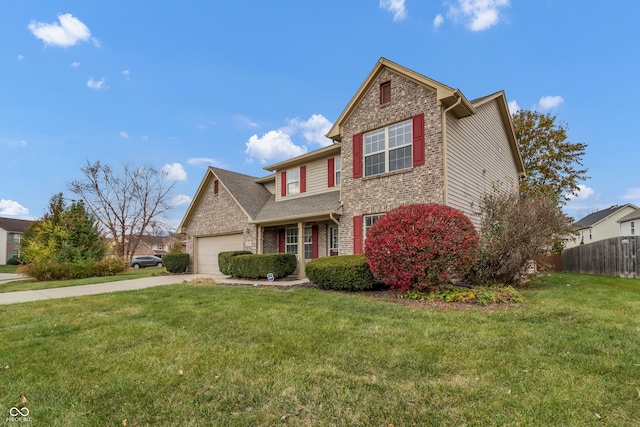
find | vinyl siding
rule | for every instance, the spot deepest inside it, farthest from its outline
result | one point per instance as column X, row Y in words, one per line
column 317, row 182
column 478, row 158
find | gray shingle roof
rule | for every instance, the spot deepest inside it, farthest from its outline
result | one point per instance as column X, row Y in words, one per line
column 14, row 225
column 249, row 194
column 633, row 215
column 596, row 217
column 301, row 206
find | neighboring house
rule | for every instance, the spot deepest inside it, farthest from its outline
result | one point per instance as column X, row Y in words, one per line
column 11, row 231
column 629, row 224
column 154, row 245
column 600, row 225
column 403, row 138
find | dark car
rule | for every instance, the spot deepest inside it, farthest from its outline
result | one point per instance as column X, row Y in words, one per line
column 146, row 261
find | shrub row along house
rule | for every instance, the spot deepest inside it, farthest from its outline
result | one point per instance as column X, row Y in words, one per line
column 403, row 138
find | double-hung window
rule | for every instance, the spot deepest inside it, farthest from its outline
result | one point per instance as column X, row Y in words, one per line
column 337, row 170
column 369, row 220
column 291, row 241
column 388, row 149
column 308, row 243
column 293, row 181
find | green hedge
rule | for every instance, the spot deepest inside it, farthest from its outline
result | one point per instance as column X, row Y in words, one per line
column 53, row 270
column 224, row 259
column 344, row 272
column 253, row 266
column 175, row 263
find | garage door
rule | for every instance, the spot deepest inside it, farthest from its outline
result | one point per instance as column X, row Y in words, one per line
column 208, row 248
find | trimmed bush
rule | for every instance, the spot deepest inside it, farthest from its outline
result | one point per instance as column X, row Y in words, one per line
column 252, row 266
column 53, row 270
column 176, row 263
column 344, row 272
column 224, row 259
column 13, row 261
column 421, row 246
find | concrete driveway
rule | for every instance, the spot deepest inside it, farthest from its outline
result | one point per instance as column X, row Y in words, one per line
column 130, row 285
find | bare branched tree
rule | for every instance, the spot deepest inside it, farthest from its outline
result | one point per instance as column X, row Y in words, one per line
column 126, row 202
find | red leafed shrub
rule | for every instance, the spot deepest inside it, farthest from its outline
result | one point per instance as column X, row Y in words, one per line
column 421, row 246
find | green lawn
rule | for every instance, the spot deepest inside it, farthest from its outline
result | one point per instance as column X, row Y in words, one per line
column 194, row 355
column 8, row 268
column 33, row 285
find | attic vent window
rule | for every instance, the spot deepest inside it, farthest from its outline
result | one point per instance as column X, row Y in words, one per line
column 385, row 92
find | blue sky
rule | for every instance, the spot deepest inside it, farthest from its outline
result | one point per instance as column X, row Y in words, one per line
column 242, row 84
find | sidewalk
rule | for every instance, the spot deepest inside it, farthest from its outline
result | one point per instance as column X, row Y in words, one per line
column 135, row 284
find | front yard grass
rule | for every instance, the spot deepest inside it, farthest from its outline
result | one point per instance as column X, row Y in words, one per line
column 30, row 284
column 194, row 355
column 8, row 268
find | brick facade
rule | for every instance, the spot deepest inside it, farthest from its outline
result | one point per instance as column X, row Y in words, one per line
column 218, row 214
column 381, row 193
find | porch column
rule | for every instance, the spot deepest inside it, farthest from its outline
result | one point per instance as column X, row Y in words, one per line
column 301, row 272
column 260, row 237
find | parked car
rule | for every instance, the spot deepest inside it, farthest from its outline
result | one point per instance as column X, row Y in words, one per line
column 143, row 261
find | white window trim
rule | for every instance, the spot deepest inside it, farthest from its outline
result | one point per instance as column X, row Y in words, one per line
column 330, row 247
column 308, row 243
column 372, row 219
column 337, row 163
column 291, row 247
column 386, row 150
column 293, row 181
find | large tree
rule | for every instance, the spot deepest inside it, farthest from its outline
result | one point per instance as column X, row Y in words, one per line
column 127, row 202
column 64, row 234
column 552, row 163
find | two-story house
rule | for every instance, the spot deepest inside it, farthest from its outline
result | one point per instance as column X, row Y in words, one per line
column 603, row 224
column 403, row 138
column 11, row 230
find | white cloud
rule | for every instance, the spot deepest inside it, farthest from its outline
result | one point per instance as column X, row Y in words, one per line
column 97, row 84
column 126, row 74
column 180, row 199
column 582, row 193
column 314, row 129
column 273, row 145
column 478, row 15
column 10, row 207
column 205, row 161
column 549, row 102
column 75, row 64
column 124, row 134
column 397, row 7
column 13, row 143
column 438, row 21
column 174, row 172
column 20, row 58
column 244, row 122
column 68, row 32
column 513, row 107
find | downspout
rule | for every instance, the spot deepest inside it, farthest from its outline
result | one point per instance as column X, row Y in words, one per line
column 333, row 219
column 445, row 170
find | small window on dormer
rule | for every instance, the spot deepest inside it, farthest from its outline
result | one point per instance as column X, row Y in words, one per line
column 385, row 92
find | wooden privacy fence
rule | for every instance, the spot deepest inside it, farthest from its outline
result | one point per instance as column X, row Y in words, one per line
column 610, row 257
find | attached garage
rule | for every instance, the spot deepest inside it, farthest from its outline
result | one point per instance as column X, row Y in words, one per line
column 208, row 248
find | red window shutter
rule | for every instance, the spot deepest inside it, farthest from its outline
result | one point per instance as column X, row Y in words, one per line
column 331, row 166
column 314, row 242
column 215, row 187
column 281, row 245
column 418, row 140
column 357, row 234
column 357, row 155
column 283, row 183
column 303, row 179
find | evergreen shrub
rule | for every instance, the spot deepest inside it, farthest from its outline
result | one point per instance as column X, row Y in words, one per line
column 176, row 262
column 344, row 272
column 258, row 266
